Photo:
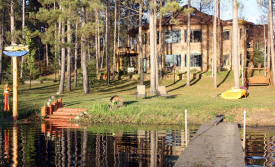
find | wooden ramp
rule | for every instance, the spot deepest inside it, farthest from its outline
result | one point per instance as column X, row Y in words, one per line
column 61, row 119
column 215, row 145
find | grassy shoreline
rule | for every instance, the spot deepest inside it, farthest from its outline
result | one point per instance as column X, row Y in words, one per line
column 201, row 100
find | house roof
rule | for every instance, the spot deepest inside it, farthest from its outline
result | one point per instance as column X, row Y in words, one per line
column 197, row 18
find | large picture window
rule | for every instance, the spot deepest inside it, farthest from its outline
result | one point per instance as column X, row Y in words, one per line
column 172, row 60
column 195, row 36
column 173, row 36
column 224, row 60
column 195, row 60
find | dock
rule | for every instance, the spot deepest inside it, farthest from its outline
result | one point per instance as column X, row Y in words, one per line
column 216, row 144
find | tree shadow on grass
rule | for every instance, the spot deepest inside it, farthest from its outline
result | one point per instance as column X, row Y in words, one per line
column 39, row 88
column 171, row 97
column 192, row 82
column 117, row 87
column 225, row 78
column 129, row 102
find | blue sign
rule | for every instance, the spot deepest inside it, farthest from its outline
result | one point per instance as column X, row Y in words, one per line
column 15, row 53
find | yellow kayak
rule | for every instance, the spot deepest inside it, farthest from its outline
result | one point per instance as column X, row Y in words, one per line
column 233, row 94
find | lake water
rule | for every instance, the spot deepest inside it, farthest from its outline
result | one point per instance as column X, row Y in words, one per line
column 260, row 147
column 29, row 144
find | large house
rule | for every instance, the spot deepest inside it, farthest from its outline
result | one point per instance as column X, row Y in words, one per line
column 201, row 47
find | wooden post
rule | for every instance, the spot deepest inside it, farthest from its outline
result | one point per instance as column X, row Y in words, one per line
column 185, row 129
column 244, row 124
column 15, row 88
column 43, row 111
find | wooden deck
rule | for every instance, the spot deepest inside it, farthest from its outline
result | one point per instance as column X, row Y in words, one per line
column 216, row 145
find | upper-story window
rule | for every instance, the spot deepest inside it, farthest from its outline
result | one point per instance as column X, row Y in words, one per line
column 195, row 36
column 144, row 38
column 173, row 36
column 157, row 37
column 226, row 34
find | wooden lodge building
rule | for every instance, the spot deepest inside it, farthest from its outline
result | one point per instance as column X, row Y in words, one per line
column 174, row 44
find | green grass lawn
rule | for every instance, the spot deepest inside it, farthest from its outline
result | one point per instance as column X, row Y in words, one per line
column 201, row 100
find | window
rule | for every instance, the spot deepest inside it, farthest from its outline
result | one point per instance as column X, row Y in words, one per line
column 157, row 37
column 173, row 36
column 195, row 60
column 224, row 60
column 145, row 65
column 195, row 36
column 145, row 39
column 240, row 33
column 225, row 35
column 171, row 60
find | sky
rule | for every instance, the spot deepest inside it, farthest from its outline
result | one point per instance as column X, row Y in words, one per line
column 250, row 11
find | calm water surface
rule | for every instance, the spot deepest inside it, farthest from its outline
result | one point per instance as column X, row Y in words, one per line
column 50, row 145
column 41, row 145
column 260, row 147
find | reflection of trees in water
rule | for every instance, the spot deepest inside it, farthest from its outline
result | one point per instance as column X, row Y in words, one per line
column 259, row 149
column 72, row 147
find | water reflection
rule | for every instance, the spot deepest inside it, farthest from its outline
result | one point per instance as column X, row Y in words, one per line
column 51, row 145
column 260, row 147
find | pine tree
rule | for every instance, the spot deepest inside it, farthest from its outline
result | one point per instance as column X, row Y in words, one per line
column 84, row 54
column 141, row 64
column 107, row 40
column 271, row 36
column 1, row 39
column 188, row 45
column 215, row 44
column 115, row 40
column 63, row 57
column 153, row 89
column 235, row 45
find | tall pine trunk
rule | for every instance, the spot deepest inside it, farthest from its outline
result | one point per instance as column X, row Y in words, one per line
column 12, row 23
column 115, row 41
column 1, row 43
column 23, row 27
column 271, row 32
column 69, row 54
column 219, row 43
column 108, row 41
column 141, row 64
column 84, row 58
column 152, row 27
column 156, row 49
column 118, row 24
column 215, row 43
column 55, row 45
column 97, row 41
column 235, row 45
column 59, row 46
column 75, row 54
column 188, row 46
column 63, row 59
column 160, row 43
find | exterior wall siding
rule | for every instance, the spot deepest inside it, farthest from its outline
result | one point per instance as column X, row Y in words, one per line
column 204, row 48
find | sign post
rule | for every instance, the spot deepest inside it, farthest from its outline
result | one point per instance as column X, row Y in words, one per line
column 15, row 51
column 15, row 89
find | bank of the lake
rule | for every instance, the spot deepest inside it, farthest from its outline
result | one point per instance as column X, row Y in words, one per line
column 201, row 100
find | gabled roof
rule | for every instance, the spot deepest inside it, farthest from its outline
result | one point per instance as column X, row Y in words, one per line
column 197, row 18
